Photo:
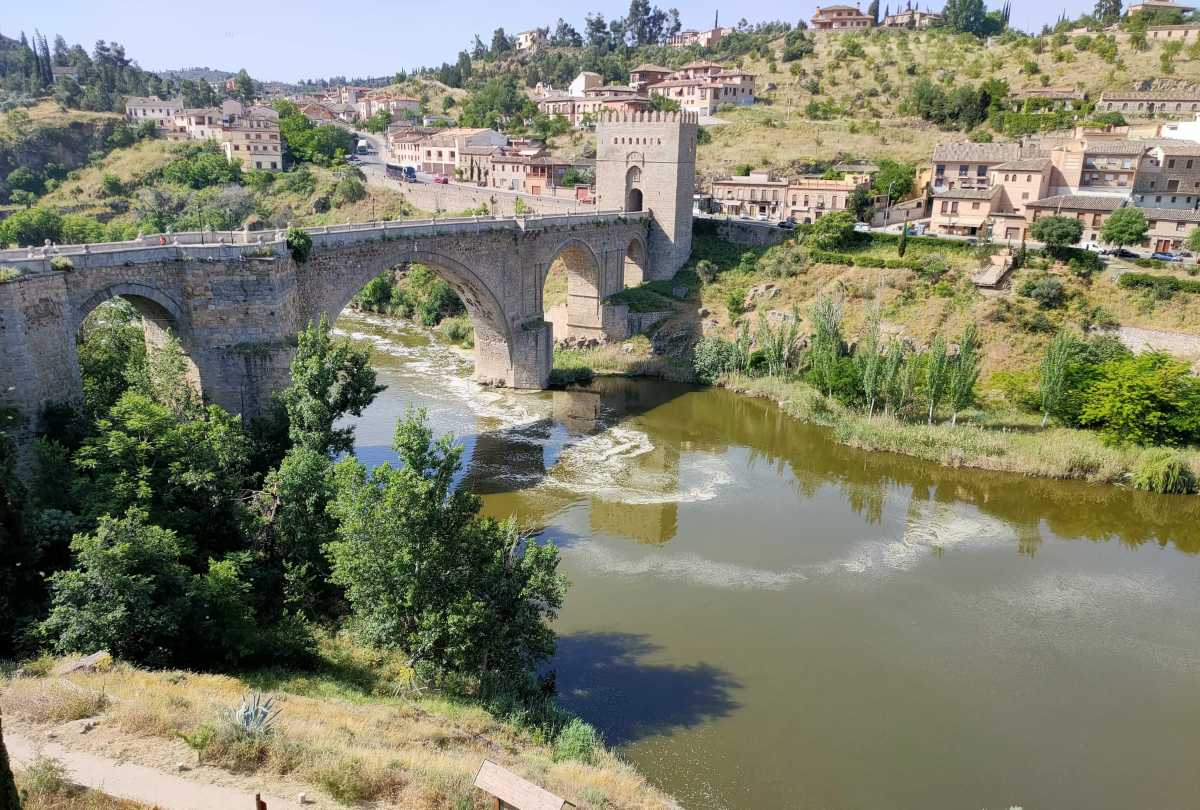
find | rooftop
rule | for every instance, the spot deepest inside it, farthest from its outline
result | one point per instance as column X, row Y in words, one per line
column 1150, row 95
column 1115, row 147
column 1037, row 164
column 1079, row 202
column 646, row 67
column 967, row 193
column 1172, row 214
column 969, row 152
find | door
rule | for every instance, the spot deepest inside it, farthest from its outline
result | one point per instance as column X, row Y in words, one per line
column 1162, row 246
column 535, row 190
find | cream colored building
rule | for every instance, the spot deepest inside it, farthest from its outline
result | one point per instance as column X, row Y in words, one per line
column 841, row 18
column 253, row 139
column 161, row 111
column 701, row 39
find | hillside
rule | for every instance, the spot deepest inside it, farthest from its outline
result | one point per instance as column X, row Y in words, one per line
column 49, row 140
column 356, row 731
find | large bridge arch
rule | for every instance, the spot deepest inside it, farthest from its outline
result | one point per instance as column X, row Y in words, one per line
column 162, row 318
column 498, row 340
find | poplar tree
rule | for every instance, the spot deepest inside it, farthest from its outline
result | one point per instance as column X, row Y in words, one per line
column 937, row 374
column 965, row 372
column 870, row 361
column 1054, row 373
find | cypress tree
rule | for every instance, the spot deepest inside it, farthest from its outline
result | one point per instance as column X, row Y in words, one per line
column 9, row 800
column 902, row 244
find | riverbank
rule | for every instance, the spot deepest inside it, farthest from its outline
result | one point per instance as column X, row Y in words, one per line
column 355, row 728
column 1018, row 448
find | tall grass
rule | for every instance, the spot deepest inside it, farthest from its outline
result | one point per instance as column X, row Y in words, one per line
column 1051, row 453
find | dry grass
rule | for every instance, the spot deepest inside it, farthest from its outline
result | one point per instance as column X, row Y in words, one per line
column 777, row 132
column 44, row 786
column 129, row 165
column 349, row 730
column 52, row 700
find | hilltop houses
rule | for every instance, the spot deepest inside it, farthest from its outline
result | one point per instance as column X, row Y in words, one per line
column 700, row 87
column 841, row 18
column 1003, row 188
column 249, row 135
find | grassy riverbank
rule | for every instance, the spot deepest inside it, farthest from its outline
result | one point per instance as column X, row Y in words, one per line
column 355, row 728
column 991, row 443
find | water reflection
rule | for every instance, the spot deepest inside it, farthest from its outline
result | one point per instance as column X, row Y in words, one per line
column 631, row 697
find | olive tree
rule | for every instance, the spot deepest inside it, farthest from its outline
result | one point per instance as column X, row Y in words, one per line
column 1056, row 232
column 1125, row 226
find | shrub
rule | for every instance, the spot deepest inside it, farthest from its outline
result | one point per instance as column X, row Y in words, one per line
column 1158, row 283
column 458, row 329
column 1046, row 290
column 712, row 357
column 735, row 302
column 1146, row 399
column 351, row 780
column 8, row 274
column 1164, row 471
column 833, row 231
column 299, row 243
column 578, row 741
column 62, row 263
column 51, row 701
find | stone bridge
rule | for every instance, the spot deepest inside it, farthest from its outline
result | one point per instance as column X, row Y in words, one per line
column 236, row 304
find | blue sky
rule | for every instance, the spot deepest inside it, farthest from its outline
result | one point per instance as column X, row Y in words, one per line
column 308, row 38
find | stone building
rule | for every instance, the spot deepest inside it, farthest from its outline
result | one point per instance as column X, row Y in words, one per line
column 647, row 161
column 841, row 18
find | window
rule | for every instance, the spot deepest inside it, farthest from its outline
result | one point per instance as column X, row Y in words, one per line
column 941, row 168
column 974, row 206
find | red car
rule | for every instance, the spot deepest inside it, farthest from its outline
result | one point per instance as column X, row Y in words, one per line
column 441, row 178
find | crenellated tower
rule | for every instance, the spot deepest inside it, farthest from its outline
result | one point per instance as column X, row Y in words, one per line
column 646, row 161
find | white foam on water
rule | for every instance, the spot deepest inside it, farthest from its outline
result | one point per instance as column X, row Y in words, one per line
column 618, row 465
column 690, row 568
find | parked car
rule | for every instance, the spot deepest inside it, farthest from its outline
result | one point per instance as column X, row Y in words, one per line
column 788, row 224
column 862, row 227
column 441, row 179
column 1164, row 256
column 1120, row 253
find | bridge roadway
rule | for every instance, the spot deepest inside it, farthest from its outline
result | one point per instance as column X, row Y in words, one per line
column 236, row 299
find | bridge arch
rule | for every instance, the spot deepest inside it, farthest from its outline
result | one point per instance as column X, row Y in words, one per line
column 587, row 286
column 634, row 272
column 495, row 360
column 162, row 318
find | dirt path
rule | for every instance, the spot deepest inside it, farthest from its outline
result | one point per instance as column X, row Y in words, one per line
column 137, row 782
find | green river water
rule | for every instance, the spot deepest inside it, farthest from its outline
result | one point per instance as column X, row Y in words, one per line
column 759, row 617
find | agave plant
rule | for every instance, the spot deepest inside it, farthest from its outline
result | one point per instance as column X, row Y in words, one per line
column 255, row 715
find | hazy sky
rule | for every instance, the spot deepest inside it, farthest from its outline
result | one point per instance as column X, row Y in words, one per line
column 307, row 38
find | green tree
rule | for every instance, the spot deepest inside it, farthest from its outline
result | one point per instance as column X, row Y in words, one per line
column 293, row 526
column 1056, row 232
column 1150, row 398
column 826, row 346
column 964, row 373
column 112, row 355
column 330, row 379
column 1055, row 367
column 902, row 242
column 894, row 180
column 127, row 595
column 1125, row 226
column 1193, row 241
column 31, row 227
column 423, row 573
column 244, row 87
column 965, row 16
column 833, row 231
column 1107, row 12
column 937, row 374
column 870, row 360
column 188, row 474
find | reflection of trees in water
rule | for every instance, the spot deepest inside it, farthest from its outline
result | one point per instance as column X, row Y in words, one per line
column 605, row 678
column 711, row 421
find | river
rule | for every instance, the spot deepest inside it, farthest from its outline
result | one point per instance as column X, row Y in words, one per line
column 760, row 617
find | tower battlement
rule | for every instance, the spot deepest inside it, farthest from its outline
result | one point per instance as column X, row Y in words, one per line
column 646, row 161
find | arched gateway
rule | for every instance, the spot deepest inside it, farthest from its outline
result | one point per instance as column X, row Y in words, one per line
column 237, row 307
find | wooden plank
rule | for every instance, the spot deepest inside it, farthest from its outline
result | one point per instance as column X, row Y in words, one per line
column 512, row 790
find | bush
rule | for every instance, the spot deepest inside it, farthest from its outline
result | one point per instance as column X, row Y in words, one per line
column 300, row 244
column 834, row 231
column 62, row 264
column 578, row 741
column 8, row 274
column 1046, row 290
column 1146, row 399
column 1164, row 471
column 712, row 357
column 1158, row 283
